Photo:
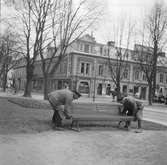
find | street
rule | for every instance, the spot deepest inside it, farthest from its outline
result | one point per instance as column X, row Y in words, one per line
column 156, row 116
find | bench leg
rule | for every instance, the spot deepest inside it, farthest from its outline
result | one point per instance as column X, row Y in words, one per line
column 72, row 124
column 77, row 126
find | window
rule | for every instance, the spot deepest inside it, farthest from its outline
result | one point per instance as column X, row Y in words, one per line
column 105, row 52
column 84, row 87
column 81, row 47
column 85, row 68
column 137, row 75
column 86, row 48
column 125, row 74
column 161, row 78
column 82, row 67
column 101, row 50
column 91, row 49
column 144, row 77
column 100, row 70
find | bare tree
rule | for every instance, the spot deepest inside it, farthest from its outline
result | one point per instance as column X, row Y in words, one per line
column 68, row 23
column 118, row 59
column 50, row 22
column 33, row 16
column 9, row 53
column 154, row 37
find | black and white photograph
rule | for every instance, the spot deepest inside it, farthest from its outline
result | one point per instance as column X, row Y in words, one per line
column 83, row 82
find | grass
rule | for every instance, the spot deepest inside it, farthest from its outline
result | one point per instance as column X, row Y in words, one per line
column 30, row 102
column 41, row 104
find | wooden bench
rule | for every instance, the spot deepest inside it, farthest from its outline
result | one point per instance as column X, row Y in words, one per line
column 84, row 112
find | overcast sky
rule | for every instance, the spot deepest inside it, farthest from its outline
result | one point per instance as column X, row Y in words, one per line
column 117, row 9
column 113, row 10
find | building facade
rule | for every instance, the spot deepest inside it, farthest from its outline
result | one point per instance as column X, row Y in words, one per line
column 86, row 69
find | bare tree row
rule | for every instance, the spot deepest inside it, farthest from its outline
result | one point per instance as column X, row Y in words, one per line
column 55, row 23
column 152, row 42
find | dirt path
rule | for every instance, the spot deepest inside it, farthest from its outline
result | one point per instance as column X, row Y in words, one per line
column 87, row 147
column 26, row 137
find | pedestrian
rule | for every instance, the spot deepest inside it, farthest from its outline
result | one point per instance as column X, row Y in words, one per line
column 114, row 93
column 133, row 107
column 61, row 102
column 14, row 86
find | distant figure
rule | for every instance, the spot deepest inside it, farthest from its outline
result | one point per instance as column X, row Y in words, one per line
column 132, row 107
column 61, row 102
column 14, row 86
column 114, row 93
column 66, row 86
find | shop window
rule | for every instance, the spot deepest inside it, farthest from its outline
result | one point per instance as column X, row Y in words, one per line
column 108, row 89
column 125, row 89
column 84, row 87
column 99, row 89
column 161, row 79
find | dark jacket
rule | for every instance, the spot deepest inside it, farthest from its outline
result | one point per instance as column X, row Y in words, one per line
column 61, row 97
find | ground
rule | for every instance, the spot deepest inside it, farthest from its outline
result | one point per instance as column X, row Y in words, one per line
column 27, row 137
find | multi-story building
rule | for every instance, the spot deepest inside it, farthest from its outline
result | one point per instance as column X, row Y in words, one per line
column 86, row 69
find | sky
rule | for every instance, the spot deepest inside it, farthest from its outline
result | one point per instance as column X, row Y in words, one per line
column 113, row 12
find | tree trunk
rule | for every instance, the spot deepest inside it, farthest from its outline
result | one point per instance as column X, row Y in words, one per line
column 29, row 76
column 118, row 92
column 4, row 81
column 154, row 84
column 150, row 94
column 46, row 88
column 155, row 66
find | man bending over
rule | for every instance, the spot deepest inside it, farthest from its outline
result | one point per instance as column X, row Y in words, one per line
column 61, row 102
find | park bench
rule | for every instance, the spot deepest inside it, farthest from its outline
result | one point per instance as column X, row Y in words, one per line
column 85, row 112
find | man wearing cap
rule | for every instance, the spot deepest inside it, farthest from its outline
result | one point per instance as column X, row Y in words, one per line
column 61, row 102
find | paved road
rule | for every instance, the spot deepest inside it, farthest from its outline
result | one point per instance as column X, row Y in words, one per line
column 155, row 116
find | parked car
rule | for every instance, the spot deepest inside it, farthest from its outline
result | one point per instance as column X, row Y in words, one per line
column 159, row 99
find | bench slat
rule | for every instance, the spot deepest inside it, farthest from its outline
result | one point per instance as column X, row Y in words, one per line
column 97, row 112
column 92, row 117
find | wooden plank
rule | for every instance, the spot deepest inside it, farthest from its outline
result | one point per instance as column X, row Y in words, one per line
column 102, row 117
column 83, row 112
